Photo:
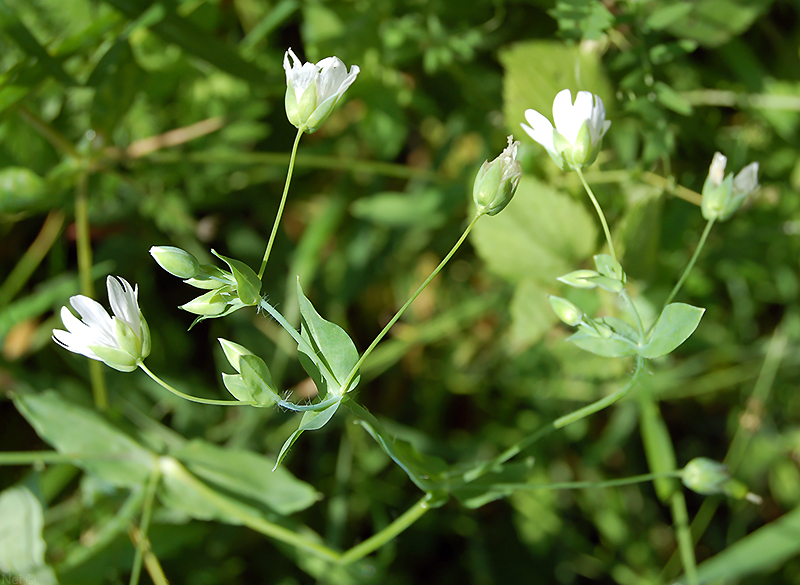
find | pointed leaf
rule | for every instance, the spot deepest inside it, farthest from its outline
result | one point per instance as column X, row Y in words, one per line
column 336, row 352
column 248, row 285
column 676, row 323
column 238, row 389
column 620, row 344
column 257, row 378
column 311, row 421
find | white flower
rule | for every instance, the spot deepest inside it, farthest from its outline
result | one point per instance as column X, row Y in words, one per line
column 579, row 129
column 722, row 195
column 496, row 181
column 312, row 90
column 121, row 341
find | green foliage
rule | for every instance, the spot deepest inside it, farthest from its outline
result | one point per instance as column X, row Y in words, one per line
column 163, row 123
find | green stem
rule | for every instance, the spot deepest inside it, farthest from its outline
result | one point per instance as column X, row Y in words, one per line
column 689, row 266
column 407, row 304
column 144, row 525
column 249, row 519
column 599, row 213
column 580, row 485
column 559, row 423
column 603, row 402
column 196, row 399
column 84, row 248
column 33, row 457
column 684, row 535
column 637, row 317
column 388, row 533
column 282, row 204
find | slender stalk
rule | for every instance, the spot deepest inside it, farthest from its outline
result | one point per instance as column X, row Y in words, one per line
column 684, row 535
column 599, row 213
column 196, row 399
column 603, row 402
column 32, row 257
column 144, row 525
column 282, row 204
column 378, row 540
column 581, row 485
column 637, row 317
column 407, row 304
column 84, row 246
column 689, row 266
column 33, row 457
column 559, row 423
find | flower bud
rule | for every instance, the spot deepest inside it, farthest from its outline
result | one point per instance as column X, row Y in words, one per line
column 566, row 311
column 233, row 351
column 723, row 195
column 497, row 181
column 176, row 261
column 709, row 477
column 580, row 279
column 209, row 304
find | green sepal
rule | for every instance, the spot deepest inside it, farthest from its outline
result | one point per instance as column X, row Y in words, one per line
column 115, row 358
column 127, row 339
column 146, row 339
column 256, row 376
column 311, row 421
column 248, row 285
column 292, row 108
column 579, row 279
column 582, row 149
column 210, row 278
column 234, row 352
column 674, row 326
column 210, row 304
column 335, row 353
column 320, row 114
column 621, row 343
column 563, row 151
column 609, row 267
column 610, row 284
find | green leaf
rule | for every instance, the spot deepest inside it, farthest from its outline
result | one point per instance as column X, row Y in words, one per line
column 247, row 474
column 334, row 352
column 760, row 552
column 623, row 343
column 238, row 389
column 424, row 470
column 312, row 420
column 21, row 544
column 541, row 235
column 531, row 314
column 676, row 323
column 248, row 285
column 98, row 447
column 257, row 378
column 709, row 22
column 658, row 446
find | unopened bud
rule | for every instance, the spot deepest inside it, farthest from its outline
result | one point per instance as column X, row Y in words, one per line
column 497, row 181
column 176, row 261
column 566, row 311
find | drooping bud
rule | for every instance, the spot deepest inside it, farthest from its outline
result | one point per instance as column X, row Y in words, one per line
column 497, row 181
column 566, row 311
column 708, row 477
column 176, row 261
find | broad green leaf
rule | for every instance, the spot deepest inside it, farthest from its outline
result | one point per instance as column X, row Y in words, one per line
column 257, row 378
column 335, row 352
column 424, row 470
column 21, row 544
column 20, row 189
column 758, row 553
column 666, row 15
column 247, row 474
column 312, row 420
column 97, row 446
column 248, row 285
column 541, row 235
column 535, row 71
column 676, row 323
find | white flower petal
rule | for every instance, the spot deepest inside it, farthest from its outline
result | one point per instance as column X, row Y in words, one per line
column 597, row 125
column 122, row 297
column 540, row 129
column 716, row 172
column 747, row 179
column 93, row 315
column 563, row 116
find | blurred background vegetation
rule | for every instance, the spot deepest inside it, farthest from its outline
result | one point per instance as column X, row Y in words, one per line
column 166, row 120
